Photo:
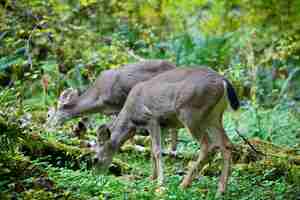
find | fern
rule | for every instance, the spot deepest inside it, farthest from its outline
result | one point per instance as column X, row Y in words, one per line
column 7, row 97
column 8, row 61
column 10, row 135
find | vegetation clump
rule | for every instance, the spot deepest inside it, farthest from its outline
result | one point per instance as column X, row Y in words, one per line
column 48, row 46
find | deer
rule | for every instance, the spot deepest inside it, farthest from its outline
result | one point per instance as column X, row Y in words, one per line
column 108, row 93
column 194, row 98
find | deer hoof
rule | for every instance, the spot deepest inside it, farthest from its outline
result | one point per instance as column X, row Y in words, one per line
column 160, row 189
column 219, row 195
column 184, row 184
column 173, row 154
column 220, row 191
column 152, row 177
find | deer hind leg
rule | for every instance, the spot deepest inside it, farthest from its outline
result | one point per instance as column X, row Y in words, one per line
column 200, row 163
column 155, row 132
column 220, row 141
column 187, row 117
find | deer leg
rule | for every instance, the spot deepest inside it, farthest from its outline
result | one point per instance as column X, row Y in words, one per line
column 226, row 152
column 156, row 152
column 164, row 134
column 225, row 171
column 154, row 165
column 174, row 136
column 201, row 161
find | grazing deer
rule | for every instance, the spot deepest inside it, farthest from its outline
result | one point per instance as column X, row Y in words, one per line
column 108, row 94
column 193, row 98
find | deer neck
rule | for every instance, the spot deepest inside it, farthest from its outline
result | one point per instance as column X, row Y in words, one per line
column 121, row 131
column 84, row 104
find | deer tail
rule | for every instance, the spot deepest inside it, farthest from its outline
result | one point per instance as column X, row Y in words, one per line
column 232, row 96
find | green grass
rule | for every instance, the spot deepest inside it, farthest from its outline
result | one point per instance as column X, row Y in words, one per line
column 256, row 181
column 277, row 125
column 253, row 181
column 84, row 184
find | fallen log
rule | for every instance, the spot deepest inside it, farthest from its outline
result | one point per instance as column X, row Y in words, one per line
column 22, row 179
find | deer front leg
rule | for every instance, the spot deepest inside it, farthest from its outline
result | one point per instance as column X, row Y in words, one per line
column 174, row 136
column 226, row 152
column 154, row 166
column 225, row 171
column 201, row 161
column 156, row 152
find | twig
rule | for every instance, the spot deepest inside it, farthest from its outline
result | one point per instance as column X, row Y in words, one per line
column 2, row 35
column 247, row 142
column 132, row 54
column 28, row 46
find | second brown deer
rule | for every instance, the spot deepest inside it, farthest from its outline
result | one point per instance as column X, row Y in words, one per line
column 193, row 98
column 108, row 94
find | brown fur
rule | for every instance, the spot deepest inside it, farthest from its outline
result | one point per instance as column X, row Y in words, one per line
column 193, row 98
column 108, row 94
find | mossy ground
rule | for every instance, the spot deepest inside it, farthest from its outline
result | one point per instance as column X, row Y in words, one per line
column 62, row 172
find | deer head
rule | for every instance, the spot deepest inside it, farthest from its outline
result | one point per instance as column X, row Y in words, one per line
column 104, row 148
column 64, row 111
column 110, row 137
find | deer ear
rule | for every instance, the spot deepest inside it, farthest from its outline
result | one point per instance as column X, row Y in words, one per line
column 51, row 112
column 103, row 134
column 68, row 96
column 147, row 110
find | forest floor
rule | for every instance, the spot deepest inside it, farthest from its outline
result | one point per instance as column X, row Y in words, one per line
column 57, row 167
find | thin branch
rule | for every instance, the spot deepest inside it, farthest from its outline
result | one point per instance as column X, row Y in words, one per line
column 132, row 54
column 247, row 142
column 28, row 45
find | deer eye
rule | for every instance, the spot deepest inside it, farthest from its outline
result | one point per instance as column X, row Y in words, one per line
column 67, row 106
column 48, row 114
column 139, row 122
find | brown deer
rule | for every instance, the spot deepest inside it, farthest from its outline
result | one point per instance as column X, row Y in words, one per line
column 193, row 98
column 108, row 94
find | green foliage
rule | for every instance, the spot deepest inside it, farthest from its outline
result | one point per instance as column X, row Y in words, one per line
column 47, row 46
column 254, row 181
column 82, row 184
column 7, row 97
column 10, row 136
column 11, row 131
column 277, row 125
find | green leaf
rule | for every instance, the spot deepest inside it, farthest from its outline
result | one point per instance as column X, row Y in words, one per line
column 49, row 66
column 7, row 62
